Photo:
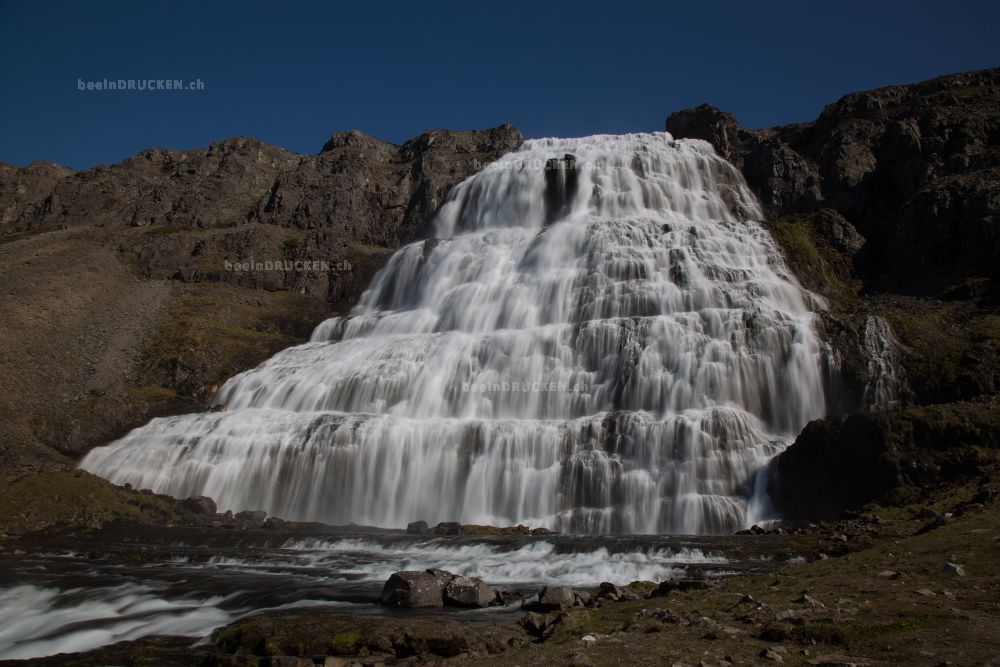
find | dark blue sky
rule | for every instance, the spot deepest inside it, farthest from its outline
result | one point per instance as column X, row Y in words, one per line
column 292, row 73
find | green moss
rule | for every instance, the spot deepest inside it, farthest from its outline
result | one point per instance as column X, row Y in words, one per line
column 74, row 498
column 345, row 643
column 820, row 268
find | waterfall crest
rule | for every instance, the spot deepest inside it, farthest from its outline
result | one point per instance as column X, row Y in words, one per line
column 599, row 339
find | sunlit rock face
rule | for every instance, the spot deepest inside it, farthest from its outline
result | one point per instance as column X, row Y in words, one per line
column 599, row 339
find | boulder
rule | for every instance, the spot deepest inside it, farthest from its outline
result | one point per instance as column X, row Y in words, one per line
column 200, row 505
column 413, row 589
column 610, row 591
column 417, row 528
column 251, row 516
column 469, row 592
column 541, row 625
column 449, row 528
column 555, row 598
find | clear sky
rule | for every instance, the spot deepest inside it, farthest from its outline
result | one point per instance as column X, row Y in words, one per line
column 292, row 73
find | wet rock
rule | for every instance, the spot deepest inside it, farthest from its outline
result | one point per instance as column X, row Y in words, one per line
column 200, row 505
column 413, row 589
column 561, row 178
column 451, row 528
column 469, row 592
column 255, row 517
column 275, row 523
column 417, row 528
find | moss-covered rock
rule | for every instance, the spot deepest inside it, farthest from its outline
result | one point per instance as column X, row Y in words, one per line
column 77, row 499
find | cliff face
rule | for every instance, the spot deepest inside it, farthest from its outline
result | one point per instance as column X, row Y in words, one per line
column 915, row 169
column 888, row 205
column 122, row 299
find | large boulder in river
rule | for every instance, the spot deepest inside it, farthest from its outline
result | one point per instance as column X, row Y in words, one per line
column 469, row 592
column 414, row 589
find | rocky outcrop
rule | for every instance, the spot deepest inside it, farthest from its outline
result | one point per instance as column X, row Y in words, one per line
column 846, row 462
column 242, row 199
column 913, row 168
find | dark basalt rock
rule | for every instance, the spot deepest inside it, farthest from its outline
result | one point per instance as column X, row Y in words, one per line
column 561, row 183
column 846, row 462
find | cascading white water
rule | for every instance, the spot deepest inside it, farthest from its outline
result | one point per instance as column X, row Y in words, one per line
column 612, row 347
column 882, row 389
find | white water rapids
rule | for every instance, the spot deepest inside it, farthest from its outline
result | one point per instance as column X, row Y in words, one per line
column 615, row 348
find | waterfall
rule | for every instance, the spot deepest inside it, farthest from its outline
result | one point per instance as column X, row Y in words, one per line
column 600, row 338
column 882, row 389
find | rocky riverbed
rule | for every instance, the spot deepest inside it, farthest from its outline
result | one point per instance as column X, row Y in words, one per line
column 906, row 584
